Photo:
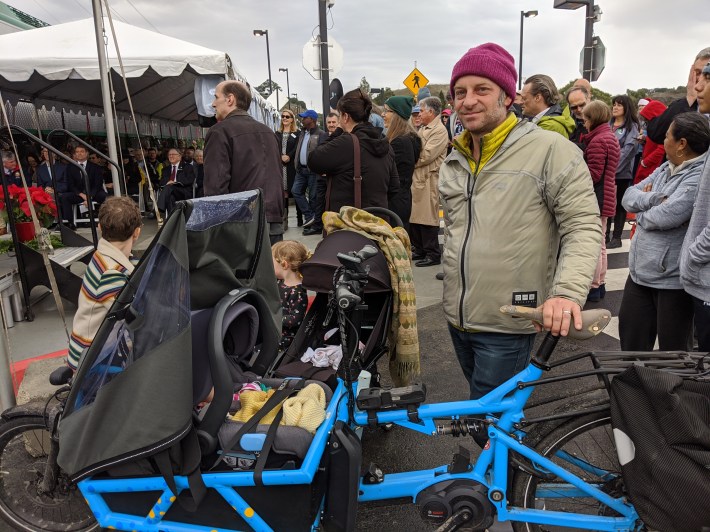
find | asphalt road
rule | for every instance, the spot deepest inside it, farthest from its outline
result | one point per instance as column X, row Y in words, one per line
column 402, row 450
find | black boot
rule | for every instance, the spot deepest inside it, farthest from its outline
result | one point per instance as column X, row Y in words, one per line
column 299, row 217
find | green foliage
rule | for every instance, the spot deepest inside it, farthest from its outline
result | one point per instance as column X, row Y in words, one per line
column 382, row 97
column 8, row 245
column 297, row 106
column 442, row 97
column 264, row 89
column 597, row 94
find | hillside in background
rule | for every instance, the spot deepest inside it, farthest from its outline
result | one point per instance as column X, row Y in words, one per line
column 663, row 94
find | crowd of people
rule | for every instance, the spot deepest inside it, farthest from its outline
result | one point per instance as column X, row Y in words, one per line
column 168, row 165
column 525, row 177
column 534, row 185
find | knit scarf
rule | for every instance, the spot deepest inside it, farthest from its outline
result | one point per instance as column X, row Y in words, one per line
column 403, row 339
column 489, row 143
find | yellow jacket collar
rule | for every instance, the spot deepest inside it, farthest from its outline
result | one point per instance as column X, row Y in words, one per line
column 489, row 143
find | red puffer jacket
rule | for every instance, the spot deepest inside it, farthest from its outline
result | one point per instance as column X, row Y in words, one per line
column 652, row 155
column 602, row 156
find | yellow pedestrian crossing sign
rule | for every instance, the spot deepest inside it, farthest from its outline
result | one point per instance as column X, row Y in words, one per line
column 415, row 81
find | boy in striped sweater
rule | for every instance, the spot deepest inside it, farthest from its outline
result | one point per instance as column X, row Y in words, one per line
column 120, row 224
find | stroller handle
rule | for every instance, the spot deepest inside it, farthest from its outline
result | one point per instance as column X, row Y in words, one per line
column 395, row 221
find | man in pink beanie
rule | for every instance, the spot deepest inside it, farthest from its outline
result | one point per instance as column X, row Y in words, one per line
column 522, row 224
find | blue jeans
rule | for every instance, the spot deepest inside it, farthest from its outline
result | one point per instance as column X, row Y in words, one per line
column 490, row 359
column 305, row 180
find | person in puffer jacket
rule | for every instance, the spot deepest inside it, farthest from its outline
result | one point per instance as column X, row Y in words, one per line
column 654, row 302
column 602, row 154
column 652, row 155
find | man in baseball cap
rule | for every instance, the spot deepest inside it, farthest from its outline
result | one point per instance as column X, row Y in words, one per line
column 308, row 188
column 522, row 224
column 309, row 113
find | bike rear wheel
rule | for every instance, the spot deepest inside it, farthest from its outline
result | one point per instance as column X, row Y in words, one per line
column 24, row 449
column 583, row 446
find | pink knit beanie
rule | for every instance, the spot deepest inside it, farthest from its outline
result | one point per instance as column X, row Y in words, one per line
column 488, row 61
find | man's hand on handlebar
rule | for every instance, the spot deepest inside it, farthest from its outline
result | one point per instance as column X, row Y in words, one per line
column 558, row 313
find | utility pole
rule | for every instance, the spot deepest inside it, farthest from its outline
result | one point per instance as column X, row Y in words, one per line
column 268, row 63
column 588, row 45
column 288, row 87
column 325, row 70
column 106, row 94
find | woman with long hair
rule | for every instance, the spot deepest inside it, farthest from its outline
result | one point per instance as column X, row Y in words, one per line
column 287, row 136
column 335, row 158
column 406, row 145
column 654, row 302
column 32, row 167
column 601, row 153
column 625, row 125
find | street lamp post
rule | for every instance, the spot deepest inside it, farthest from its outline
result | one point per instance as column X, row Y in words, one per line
column 523, row 16
column 592, row 15
column 268, row 62
column 288, row 87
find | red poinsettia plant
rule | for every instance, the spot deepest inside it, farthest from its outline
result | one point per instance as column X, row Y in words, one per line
column 19, row 202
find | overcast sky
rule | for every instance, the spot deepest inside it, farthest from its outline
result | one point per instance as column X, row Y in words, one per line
column 649, row 43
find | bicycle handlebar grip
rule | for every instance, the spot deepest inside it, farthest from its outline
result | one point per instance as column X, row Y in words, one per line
column 345, row 298
column 593, row 321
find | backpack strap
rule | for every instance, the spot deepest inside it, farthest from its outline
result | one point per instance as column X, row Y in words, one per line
column 357, row 176
column 190, row 467
column 266, row 448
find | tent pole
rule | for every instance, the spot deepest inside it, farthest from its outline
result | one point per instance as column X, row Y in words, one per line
column 106, row 93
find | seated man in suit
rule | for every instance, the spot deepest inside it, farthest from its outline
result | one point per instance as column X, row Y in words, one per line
column 175, row 182
column 77, row 192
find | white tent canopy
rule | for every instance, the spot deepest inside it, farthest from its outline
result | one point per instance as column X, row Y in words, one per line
column 59, row 64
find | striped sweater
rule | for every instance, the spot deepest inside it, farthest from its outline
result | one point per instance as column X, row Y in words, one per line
column 105, row 276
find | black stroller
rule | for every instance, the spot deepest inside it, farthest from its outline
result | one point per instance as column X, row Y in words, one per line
column 374, row 321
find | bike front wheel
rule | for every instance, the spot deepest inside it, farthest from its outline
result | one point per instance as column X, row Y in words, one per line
column 583, row 446
column 25, row 444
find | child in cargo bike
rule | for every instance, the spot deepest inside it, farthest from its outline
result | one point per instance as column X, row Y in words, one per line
column 288, row 256
column 120, row 224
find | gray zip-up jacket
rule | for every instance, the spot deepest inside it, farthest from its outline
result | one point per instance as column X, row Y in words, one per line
column 695, row 254
column 662, row 216
column 506, row 222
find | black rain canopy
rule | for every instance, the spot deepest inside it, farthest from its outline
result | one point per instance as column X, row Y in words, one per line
column 132, row 394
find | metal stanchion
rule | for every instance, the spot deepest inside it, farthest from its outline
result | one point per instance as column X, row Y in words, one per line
column 7, row 390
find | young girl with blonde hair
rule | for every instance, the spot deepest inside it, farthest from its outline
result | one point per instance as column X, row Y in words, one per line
column 288, row 256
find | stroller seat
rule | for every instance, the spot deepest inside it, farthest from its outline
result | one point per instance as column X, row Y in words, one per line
column 226, row 340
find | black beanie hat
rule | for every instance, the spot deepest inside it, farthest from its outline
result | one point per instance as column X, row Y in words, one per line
column 402, row 105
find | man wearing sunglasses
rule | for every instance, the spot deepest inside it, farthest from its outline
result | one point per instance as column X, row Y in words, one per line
column 577, row 99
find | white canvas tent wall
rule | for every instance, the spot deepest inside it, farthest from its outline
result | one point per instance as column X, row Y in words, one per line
column 58, row 65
